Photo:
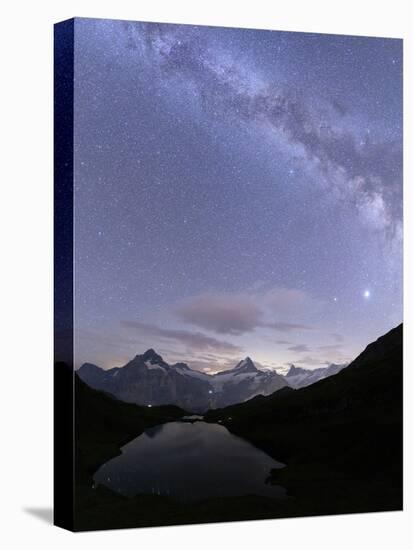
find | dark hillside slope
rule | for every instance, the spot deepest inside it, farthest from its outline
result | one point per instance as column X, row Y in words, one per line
column 102, row 426
column 341, row 438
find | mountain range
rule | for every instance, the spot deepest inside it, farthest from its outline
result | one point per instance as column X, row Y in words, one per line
column 340, row 438
column 149, row 380
column 298, row 377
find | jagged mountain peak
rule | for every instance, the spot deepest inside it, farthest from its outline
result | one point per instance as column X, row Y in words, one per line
column 152, row 356
column 293, row 371
column 148, row 379
column 90, row 367
column 246, row 365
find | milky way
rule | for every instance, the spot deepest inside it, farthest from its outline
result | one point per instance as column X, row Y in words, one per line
column 237, row 192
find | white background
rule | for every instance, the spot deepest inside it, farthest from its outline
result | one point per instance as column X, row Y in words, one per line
column 26, row 270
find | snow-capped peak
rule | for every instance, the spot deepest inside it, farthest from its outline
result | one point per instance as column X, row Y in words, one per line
column 295, row 371
column 152, row 356
column 246, row 365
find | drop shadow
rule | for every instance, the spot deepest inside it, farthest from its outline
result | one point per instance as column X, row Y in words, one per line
column 44, row 514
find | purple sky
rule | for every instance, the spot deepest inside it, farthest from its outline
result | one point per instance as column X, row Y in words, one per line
column 237, row 192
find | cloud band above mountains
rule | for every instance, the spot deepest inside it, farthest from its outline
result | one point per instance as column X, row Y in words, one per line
column 195, row 341
column 240, row 313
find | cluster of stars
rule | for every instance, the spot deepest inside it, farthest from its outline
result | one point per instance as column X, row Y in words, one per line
column 218, row 160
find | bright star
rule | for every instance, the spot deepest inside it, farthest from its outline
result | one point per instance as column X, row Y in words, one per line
column 366, row 294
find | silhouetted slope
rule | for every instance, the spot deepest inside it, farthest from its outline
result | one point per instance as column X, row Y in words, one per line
column 341, row 438
column 104, row 424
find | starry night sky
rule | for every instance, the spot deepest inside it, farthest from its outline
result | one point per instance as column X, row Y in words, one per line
column 237, row 192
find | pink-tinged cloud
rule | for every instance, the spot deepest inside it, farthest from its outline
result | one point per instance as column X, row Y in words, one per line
column 299, row 348
column 288, row 327
column 239, row 313
column 308, row 360
column 222, row 313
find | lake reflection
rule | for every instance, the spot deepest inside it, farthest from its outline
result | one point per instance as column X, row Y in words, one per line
column 190, row 461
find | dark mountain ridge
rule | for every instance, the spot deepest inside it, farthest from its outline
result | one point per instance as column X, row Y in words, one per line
column 341, row 437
